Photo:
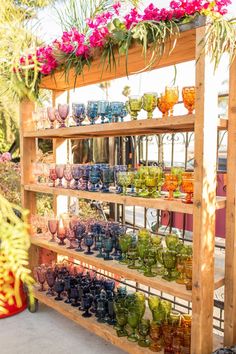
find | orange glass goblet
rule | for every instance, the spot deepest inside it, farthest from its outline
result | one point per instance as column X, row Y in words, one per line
column 188, row 187
column 171, row 183
column 163, row 105
column 172, row 97
column 188, row 94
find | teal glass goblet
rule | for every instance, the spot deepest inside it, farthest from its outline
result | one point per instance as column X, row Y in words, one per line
column 103, row 110
column 149, row 103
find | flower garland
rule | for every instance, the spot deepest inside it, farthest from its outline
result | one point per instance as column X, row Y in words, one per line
column 110, row 29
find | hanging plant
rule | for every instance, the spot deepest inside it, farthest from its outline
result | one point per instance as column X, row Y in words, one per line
column 107, row 32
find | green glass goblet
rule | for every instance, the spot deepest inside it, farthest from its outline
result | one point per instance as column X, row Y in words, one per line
column 121, row 319
column 153, row 302
column 172, row 240
column 143, row 330
column 125, row 242
column 142, row 248
column 149, row 103
column 178, row 172
column 134, row 106
column 150, row 260
column 133, row 321
column 169, row 260
column 124, row 180
column 151, row 184
column 132, row 257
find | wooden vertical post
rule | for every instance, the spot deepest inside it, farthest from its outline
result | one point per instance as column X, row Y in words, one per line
column 230, row 242
column 27, row 154
column 204, row 202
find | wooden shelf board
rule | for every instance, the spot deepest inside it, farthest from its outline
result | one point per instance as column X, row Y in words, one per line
column 183, row 51
column 174, row 124
column 156, row 203
column 115, row 267
column 102, row 330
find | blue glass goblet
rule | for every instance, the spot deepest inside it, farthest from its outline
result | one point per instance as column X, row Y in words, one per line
column 92, row 111
column 85, row 177
column 88, row 241
column 76, row 174
column 78, row 112
column 79, row 230
column 94, row 178
column 116, row 111
column 107, row 177
column 103, row 110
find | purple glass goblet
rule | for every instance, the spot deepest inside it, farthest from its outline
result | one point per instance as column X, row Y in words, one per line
column 63, row 110
column 40, row 273
column 76, row 171
column 51, row 116
column 79, row 229
column 68, row 175
column 50, row 276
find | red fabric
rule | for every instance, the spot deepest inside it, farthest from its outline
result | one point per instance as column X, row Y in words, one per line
column 13, row 309
column 178, row 218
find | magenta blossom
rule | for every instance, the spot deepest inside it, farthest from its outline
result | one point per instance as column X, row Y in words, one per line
column 116, row 8
column 98, row 37
column 132, row 18
column 46, row 58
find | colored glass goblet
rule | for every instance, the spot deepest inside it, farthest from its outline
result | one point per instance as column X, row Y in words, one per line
column 134, row 106
column 63, row 110
column 92, row 111
column 172, row 97
column 149, row 103
column 60, row 174
column 51, row 116
column 163, row 105
column 52, row 226
column 103, row 110
column 188, row 94
column 78, row 113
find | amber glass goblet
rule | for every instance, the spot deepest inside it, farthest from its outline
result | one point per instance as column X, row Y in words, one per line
column 172, row 97
column 171, row 183
column 180, row 266
column 155, row 334
column 163, row 105
column 188, row 94
column 188, row 273
column 188, row 186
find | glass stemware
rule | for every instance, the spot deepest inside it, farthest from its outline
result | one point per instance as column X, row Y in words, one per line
column 177, row 171
column 124, row 179
column 88, row 241
column 134, row 106
column 172, row 97
column 188, row 273
column 50, row 277
column 78, row 113
column 169, row 261
column 163, row 105
column 115, row 111
column 107, row 177
column 41, row 276
column 149, row 103
column 67, row 174
column 60, row 173
column 92, row 111
column 117, row 169
column 171, row 183
column 156, row 337
column 188, row 94
column 52, row 226
column 59, row 287
column 85, row 171
column 79, row 230
column 52, row 174
column 63, row 111
column 108, row 247
column 143, row 330
column 94, row 178
column 121, row 317
column 150, row 260
column 188, row 186
column 76, row 171
column 133, row 321
column 103, row 110
column 87, row 300
column 125, row 242
column 61, row 233
column 51, row 116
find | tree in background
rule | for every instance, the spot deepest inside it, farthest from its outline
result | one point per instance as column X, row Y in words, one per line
column 16, row 35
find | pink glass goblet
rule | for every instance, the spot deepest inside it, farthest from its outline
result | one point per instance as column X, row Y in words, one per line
column 52, row 226
column 61, row 235
column 68, row 175
column 63, row 110
column 52, row 175
column 51, row 116
column 60, row 173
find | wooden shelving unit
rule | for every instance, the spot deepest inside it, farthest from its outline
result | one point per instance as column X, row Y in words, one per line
column 114, row 267
column 102, row 330
column 205, row 124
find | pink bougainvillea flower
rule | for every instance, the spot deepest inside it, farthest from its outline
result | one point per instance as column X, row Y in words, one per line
column 117, row 7
column 46, row 58
column 132, row 18
column 98, row 37
column 5, row 157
